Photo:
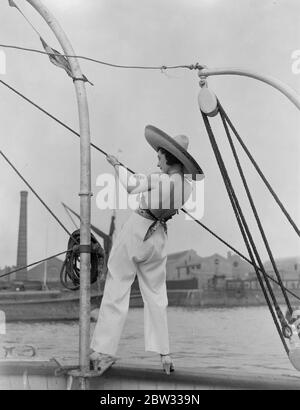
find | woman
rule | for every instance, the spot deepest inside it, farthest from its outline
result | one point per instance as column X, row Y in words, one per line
column 140, row 249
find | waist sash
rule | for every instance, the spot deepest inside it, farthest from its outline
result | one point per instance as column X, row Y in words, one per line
column 146, row 213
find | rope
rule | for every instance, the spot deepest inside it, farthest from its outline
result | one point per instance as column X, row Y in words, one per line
column 254, row 210
column 55, row 56
column 130, row 170
column 32, row 264
column 289, row 218
column 36, row 194
column 196, row 66
column 69, row 215
column 61, row 60
column 237, row 252
column 12, row 3
column 70, row 271
column 55, row 119
column 246, row 234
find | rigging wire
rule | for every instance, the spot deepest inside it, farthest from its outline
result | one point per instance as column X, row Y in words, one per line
column 245, row 230
column 55, row 118
column 223, row 113
column 237, row 252
column 254, row 210
column 231, row 193
column 35, row 193
column 220, row 161
column 104, row 153
column 34, row 263
column 161, row 68
column 12, row 3
column 196, row 66
column 69, row 215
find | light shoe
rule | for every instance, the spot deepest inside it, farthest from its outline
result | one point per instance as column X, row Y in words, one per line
column 100, row 362
column 167, row 363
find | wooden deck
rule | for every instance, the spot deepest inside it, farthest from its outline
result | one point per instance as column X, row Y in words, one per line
column 47, row 375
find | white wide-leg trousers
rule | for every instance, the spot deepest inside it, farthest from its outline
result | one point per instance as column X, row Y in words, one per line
column 130, row 256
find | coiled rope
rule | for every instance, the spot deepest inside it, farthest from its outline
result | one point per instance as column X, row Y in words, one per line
column 70, row 271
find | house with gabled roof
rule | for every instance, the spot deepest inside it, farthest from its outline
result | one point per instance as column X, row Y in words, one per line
column 188, row 264
column 180, row 258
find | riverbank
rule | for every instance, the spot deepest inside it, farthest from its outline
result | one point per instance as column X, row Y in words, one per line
column 56, row 305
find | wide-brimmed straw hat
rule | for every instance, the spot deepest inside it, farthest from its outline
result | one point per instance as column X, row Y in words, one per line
column 177, row 146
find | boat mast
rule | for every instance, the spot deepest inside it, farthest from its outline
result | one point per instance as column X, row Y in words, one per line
column 85, row 188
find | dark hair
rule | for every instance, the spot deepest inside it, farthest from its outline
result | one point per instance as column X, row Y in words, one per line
column 171, row 160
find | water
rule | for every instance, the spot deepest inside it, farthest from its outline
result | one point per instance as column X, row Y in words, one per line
column 238, row 338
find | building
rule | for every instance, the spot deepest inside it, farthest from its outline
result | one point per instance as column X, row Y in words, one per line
column 4, row 271
column 188, row 264
column 53, row 267
column 177, row 259
column 289, row 268
column 239, row 267
column 5, row 279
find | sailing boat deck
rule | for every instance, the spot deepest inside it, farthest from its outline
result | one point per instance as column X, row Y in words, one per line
column 47, row 375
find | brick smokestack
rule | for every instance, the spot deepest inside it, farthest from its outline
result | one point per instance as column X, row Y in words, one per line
column 22, row 238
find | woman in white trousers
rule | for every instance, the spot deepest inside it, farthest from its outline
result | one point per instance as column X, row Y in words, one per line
column 140, row 249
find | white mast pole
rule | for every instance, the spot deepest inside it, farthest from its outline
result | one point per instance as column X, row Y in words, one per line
column 85, row 187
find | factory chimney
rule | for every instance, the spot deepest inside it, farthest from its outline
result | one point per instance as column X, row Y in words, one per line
column 22, row 238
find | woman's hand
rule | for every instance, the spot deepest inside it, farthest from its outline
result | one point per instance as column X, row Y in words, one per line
column 112, row 160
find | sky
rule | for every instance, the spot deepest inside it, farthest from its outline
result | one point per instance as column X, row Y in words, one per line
column 258, row 35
